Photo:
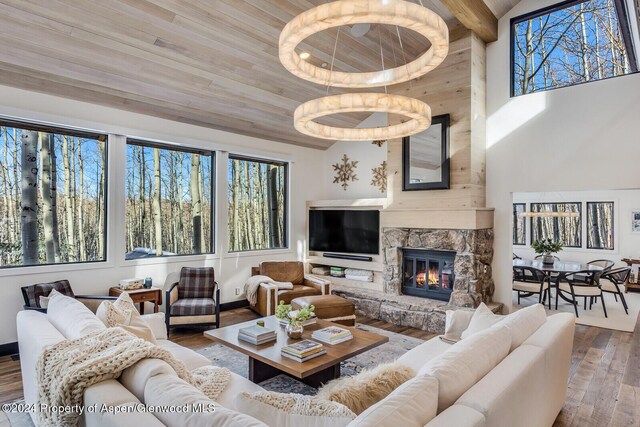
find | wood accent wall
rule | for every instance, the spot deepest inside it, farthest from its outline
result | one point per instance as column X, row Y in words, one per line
column 456, row 87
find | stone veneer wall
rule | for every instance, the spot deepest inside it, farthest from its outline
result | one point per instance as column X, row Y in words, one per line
column 474, row 253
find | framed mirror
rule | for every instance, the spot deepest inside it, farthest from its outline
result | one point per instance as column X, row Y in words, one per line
column 425, row 157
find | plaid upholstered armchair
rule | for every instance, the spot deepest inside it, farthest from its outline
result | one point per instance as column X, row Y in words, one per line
column 194, row 300
column 32, row 295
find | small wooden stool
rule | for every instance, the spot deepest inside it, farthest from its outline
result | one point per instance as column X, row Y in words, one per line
column 329, row 307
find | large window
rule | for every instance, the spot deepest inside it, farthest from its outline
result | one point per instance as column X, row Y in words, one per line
column 565, row 229
column 519, row 224
column 570, row 43
column 600, row 225
column 52, row 195
column 169, row 200
column 257, row 196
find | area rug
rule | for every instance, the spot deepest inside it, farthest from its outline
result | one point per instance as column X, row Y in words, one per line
column 617, row 319
column 239, row 363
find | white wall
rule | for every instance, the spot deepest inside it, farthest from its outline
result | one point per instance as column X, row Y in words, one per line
column 367, row 155
column 232, row 270
column 626, row 243
column 583, row 137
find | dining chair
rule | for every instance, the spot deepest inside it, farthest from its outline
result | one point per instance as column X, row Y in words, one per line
column 528, row 281
column 605, row 264
column 613, row 282
column 590, row 288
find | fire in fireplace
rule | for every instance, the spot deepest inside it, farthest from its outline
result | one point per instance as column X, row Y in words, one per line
column 428, row 274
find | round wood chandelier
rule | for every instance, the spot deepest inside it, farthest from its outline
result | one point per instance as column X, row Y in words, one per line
column 418, row 113
column 348, row 12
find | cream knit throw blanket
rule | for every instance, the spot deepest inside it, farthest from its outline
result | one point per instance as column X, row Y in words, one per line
column 65, row 370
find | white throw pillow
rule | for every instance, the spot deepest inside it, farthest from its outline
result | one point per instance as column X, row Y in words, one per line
column 72, row 318
column 293, row 410
column 456, row 322
column 466, row 362
column 413, row 404
column 523, row 323
column 482, row 319
column 156, row 321
column 44, row 301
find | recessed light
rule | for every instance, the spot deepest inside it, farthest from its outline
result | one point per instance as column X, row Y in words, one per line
column 305, row 55
column 324, row 65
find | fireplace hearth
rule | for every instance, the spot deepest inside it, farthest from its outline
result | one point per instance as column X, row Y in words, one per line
column 428, row 273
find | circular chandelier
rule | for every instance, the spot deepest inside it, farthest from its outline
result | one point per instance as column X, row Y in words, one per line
column 399, row 13
column 418, row 113
column 348, row 12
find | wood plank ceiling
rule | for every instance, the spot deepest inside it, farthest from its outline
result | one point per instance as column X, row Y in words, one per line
column 212, row 63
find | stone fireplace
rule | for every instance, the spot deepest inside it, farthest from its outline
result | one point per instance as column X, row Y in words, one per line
column 471, row 278
column 464, row 257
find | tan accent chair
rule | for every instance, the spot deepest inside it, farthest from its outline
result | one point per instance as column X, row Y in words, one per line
column 285, row 271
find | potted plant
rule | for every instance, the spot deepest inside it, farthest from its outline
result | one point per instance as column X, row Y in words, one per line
column 546, row 248
column 295, row 318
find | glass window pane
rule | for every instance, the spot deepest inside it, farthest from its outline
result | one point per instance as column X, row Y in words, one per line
column 52, row 195
column 569, row 44
column 519, row 224
column 600, row 225
column 257, row 196
column 169, row 200
column 567, row 230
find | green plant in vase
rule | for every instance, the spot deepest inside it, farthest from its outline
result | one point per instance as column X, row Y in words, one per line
column 546, row 248
column 296, row 318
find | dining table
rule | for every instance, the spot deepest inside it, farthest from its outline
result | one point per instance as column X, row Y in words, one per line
column 558, row 270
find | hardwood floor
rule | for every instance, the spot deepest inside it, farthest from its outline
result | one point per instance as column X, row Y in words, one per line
column 604, row 379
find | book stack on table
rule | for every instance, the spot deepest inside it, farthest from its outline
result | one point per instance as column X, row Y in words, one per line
column 257, row 335
column 303, row 350
column 332, row 335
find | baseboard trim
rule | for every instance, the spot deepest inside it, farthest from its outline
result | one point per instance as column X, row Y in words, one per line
column 234, row 304
column 8, row 349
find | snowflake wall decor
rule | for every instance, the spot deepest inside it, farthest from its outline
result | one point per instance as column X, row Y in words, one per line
column 345, row 172
column 380, row 177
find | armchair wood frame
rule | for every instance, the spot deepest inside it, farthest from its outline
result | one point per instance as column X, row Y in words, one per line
column 26, row 305
column 171, row 296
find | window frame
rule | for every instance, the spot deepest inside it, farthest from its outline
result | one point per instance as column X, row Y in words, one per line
column 285, row 201
column 185, row 149
column 613, row 226
column 524, row 221
column 624, row 32
column 580, row 224
column 80, row 133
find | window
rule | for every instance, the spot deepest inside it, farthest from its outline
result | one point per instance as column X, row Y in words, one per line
column 567, row 230
column 258, row 192
column 519, row 224
column 600, row 225
column 52, row 195
column 570, row 43
column 169, row 200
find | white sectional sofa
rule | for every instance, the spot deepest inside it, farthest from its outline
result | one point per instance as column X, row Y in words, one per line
column 513, row 373
column 150, row 381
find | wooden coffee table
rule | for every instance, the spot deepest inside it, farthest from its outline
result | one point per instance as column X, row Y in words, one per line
column 266, row 362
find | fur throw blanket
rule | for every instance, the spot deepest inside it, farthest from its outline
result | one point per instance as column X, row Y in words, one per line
column 65, row 370
column 254, row 282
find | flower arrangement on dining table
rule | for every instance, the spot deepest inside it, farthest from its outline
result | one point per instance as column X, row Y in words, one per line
column 546, row 248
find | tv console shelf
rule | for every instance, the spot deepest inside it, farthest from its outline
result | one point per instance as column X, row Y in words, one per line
column 346, row 263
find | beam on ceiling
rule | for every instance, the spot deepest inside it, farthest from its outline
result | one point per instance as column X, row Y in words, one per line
column 476, row 16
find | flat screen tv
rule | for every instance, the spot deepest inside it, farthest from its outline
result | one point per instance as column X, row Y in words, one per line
column 345, row 231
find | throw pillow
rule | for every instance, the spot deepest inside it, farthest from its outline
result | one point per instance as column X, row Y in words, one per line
column 141, row 332
column 367, row 388
column 69, row 316
column 413, row 404
column 482, row 319
column 523, row 323
column 112, row 315
column 455, row 323
column 293, row 410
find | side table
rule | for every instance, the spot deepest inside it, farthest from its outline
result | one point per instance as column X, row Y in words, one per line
column 140, row 296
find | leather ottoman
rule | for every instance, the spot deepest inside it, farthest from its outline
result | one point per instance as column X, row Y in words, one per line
column 329, row 307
